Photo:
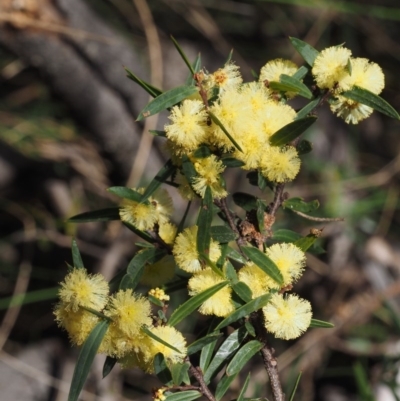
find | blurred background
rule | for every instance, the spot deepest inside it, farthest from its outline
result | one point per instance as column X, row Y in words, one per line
column 68, row 131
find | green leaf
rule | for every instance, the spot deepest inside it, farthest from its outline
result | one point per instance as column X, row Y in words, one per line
column 85, row 359
column 289, row 84
column 245, row 201
column 262, row 182
column 196, row 65
column 245, row 310
column 368, row 98
column 150, row 89
column 304, row 147
column 193, row 303
column 127, row 193
column 250, row 328
column 300, row 73
column 182, row 222
column 166, row 171
column 167, row 100
column 289, row 236
column 187, row 395
column 178, row 372
column 225, row 351
column 243, row 356
column 244, row 388
column 138, row 263
column 200, row 343
column 264, row 263
column 230, row 273
column 291, row 131
column 222, row 234
column 183, row 55
column 231, row 162
column 306, row 51
column 156, row 132
column 76, row 256
column 242, row 290
column 362, row 381
column 261, row 209
column 305, row 243
column 216, row 121
column 188, row 169
column 141, row 234
column 109, row 363
column 307, row 109
column 291, row 398
column 108, row 214
column 235, row 255
column 158, row 339
column 204, row 223
column 321, row 324
column 223, row 386
column 161, row 369
column 202, row 152
column 299, row 205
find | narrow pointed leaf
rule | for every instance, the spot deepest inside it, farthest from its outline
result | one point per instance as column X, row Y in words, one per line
column 235, row 255
column 368, row 98
column 158, row 339
column 291, row 398
column 231, row 162
column 76, row 256
column 300, row 73
column 141, row 234
column 150, row 89
column 299, row 205
column 196, row 68
column 206, row 355
column 264, row 263
column 243, row 356
column 362, row 381
column 178, row 372
column 305, row 243
column 289, row 84
column 245, row 201
column 289, row 236
column 127, row 193
column 193, row 303
column 307, row 109
column 166, row 171
column 139, row 261
column 200, row 343
column 187, row 395
column 222, row 234
column 116, row 281
column 127, row 283
column 225, row 351
column 291, row 131
column 242, row 290
column 109, row 363
column 202, row 152
column 167, row 100
column 204, row 223
column 161, row 369
column 216, row 121
column 156, row 132
column 245, row 310
column 321, row 324
column 188, row 169
column 250, row 328
column 306, row 51
column 181, row 224
column 108, row 214
column 85, row 359
column 223, row 386
column 183, row 55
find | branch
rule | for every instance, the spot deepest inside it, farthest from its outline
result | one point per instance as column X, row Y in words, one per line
column 198, row 374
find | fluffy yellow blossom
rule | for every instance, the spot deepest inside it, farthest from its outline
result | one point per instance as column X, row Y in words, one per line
column 188, row 126
column 220, row 304
column 82, row 289
column 330, row 68
column 255, row 278
column 208, row 171
column 167, row 232
column 275, row 116
column 366, row 75
column 129, row 312
column 275, row 68
column 280, row 164
column 138, row 357
column 77, row 323
column 159, row 294
column 185, row 250
column 289, row 259
column 145, row 216
column 227, row 77
column 171, row 336
column 159, row 273
column 255, row 95
column 287, row 318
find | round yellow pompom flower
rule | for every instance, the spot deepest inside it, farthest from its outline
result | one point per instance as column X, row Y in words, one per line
column 290, row 260
column 185, row 250
column 287, row 318
column 82, row 289
column 220, row 304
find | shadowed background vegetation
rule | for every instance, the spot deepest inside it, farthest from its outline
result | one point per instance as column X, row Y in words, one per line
column 68, row 131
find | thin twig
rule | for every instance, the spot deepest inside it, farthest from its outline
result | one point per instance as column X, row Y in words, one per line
column 320, row 219
column 198, row 374
column 278, row 199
